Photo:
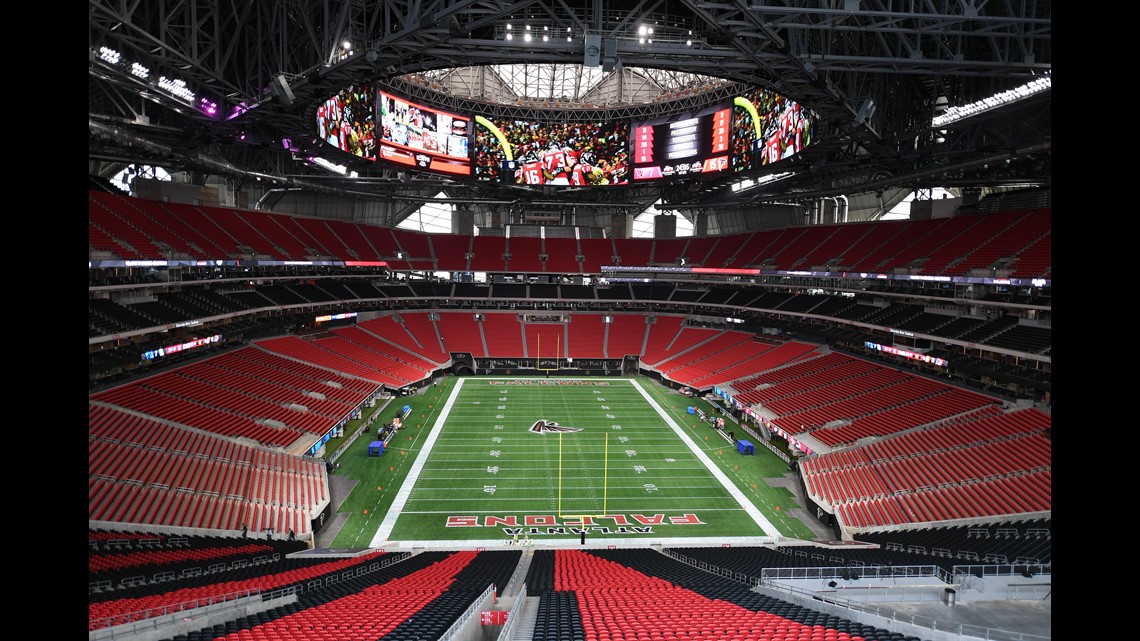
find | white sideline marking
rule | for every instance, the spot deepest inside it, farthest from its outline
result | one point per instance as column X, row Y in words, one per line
column 381, row 536
column 746, row 504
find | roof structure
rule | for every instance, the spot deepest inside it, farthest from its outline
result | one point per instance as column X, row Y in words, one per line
column 229, row 90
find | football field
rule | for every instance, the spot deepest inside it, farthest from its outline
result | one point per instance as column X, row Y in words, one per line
column 538, row 460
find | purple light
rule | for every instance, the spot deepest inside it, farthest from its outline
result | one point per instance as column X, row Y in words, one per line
column 211, row 108
column 238, row 110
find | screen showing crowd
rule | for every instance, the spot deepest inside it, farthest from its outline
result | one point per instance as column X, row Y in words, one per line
column 580, row 154
column 347, row 121
column 766, row 128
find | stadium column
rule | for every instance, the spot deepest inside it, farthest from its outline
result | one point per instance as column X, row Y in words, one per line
column 463, row 222
column 700, row 223
column 621, row 224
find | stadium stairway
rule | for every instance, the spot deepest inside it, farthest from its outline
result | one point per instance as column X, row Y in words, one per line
column 515, row 584
column 527, row 613
column 513, row 598
column 483, row 339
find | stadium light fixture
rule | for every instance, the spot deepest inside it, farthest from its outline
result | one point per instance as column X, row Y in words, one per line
column 954, row 114
column 176, row 88
column 748, row 183
column 331, row 166
column 110, row 55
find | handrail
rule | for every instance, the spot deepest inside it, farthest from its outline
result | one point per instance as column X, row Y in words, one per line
column 201, row 602
column 945, row 578
column 467, row 614
column 513, row 615
column 158, row 611
column 963, row 630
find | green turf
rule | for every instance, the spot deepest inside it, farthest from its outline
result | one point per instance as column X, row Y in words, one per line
column 487, row 476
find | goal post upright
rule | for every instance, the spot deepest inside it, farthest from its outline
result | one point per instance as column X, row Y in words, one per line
column 557, row 349
column 606, row 473
column 605, row 482
column 560, row 472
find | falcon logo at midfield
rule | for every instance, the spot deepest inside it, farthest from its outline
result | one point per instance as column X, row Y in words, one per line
column 543, row 426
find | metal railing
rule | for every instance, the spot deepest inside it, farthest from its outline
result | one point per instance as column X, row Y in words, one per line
column 513, row 615
column 470, row 612
column 959, row 630
column 171, row 608
column 939, row 581
column 151, row 617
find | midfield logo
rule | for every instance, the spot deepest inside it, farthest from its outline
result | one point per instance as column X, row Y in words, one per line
column 543, row 426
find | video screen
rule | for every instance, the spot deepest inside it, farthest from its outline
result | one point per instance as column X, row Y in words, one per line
column 347, row 121
column 580, row 154
column 681, row 146
column 423, row 137
column 767, row 127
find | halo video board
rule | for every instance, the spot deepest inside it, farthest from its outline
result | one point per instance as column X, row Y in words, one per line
column 422, row 137
column 682, row 146
column 569, row 154
column 766, row 128
column 759, row 128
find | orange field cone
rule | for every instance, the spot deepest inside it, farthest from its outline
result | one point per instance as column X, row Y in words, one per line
column 720, row 452
column 754, row 486
column 378, row 488
column 391, row 469
column 403, row 453
column 366, row 511
column 706, row 438
column 777, row 508
column 736, row 467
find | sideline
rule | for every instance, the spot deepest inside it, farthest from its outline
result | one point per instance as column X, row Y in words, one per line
column 714, row 469
column 385, row 529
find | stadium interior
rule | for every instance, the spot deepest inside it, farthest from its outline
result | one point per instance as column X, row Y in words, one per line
column 827, row 224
